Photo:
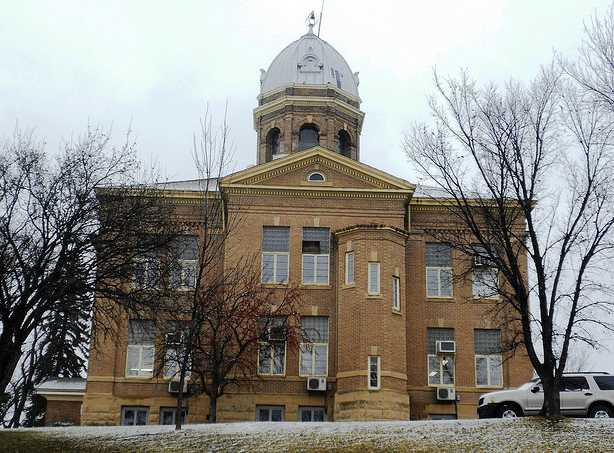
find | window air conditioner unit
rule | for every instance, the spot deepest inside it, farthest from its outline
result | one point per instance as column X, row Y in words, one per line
column 276, row 333
column 173, row 386
column 480, row 261
column 173, row 338
column 316, row 384
column 446, row 347
column 446, row 393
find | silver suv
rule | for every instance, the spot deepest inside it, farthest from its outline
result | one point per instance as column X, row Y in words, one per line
column 582, row 395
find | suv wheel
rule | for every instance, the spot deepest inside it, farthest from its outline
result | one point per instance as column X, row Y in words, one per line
column 600, row 411
column 508, row 411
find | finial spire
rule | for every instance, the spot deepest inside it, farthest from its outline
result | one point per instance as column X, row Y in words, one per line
column 311, row 21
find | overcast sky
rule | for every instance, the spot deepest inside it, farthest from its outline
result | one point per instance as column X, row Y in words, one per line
column 157, row 64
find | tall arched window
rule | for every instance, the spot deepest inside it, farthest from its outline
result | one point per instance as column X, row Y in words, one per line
column 308, row 137
column 273, row 147
column 344, row 144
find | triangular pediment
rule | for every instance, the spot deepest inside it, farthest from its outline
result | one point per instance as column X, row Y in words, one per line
column 340, row 174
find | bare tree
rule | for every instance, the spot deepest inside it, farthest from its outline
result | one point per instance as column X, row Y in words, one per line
column 55, row 240
column 216, row 326
column 526, row 175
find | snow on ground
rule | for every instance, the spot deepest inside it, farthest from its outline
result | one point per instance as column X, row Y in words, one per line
column 520, row 435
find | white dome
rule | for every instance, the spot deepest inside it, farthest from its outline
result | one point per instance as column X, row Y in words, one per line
column 312, row 61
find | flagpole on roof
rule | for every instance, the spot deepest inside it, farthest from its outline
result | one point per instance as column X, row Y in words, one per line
column 320, row 22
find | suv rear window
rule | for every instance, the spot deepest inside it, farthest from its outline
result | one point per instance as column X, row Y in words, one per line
column 605, row 382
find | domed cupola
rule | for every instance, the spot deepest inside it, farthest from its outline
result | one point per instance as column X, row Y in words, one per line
column 308, row 97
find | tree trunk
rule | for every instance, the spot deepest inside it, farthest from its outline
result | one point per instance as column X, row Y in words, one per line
column 213, row 409
column 179, row 408
column 552, row 399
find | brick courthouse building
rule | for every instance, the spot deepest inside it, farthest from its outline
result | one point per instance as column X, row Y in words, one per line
column 398, row 339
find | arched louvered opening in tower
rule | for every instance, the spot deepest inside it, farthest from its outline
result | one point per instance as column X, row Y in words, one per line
column 308, row 137
column 273, row 144
column 344, row 144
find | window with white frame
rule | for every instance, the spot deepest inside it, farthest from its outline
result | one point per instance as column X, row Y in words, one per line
column 135, row 415
column 316, row 249
column 374, row 377
column 311, row 414
column 184, row 259
column 487, row 348
column 485, row 274
column 140, row 354
column 396, row 293
column 147, row 263
column 275, row 254
column 438, row 270
column 270, row 413
column 173, row 361
column 440, row 366
column 373, row 278
column 316, row 176
column 168, row 416
column 314, row 353
column 349, row 268
column 272, row 347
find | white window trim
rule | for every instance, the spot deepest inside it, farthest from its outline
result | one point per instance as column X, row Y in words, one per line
column 315, row 270
column 370, row 281
column 311, row 409
column 147, row 262
column 378, row 371
column 439, row 294
column 489, row 358
column 141, row 371
column 349, row 281
column 312, row 346
column 441, row 358
column 396, row 293
column 481, row 289
column 271, row 346
column 316, row 180
column 175, row 365
column 135, row 409
column 184, row 284
column 260, row 407
column 274, row 279
column 184, row 417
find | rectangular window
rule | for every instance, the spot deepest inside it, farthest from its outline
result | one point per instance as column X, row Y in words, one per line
column 135, row 416
column 438, row 270
column 487, row 349
column 272, row 348
column 311, row 414
column 316, row 249
column 270, row 413
column 314, row 354
column 349, row 268
column 275, row 254
column 440, row 366
column 396, row 293
column 374, row 372
column 140, row 354
column 272, row 359
column 168, row 415
column 485, row 275
column 147, row 263
column 373, row 277
column 184, row 259
column 173, row 361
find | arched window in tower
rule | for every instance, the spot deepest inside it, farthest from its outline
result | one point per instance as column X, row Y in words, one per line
column 273, row 146
column 344, row 144
column 308, row 137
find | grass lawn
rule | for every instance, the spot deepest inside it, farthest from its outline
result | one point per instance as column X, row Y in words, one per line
column 520, row 435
